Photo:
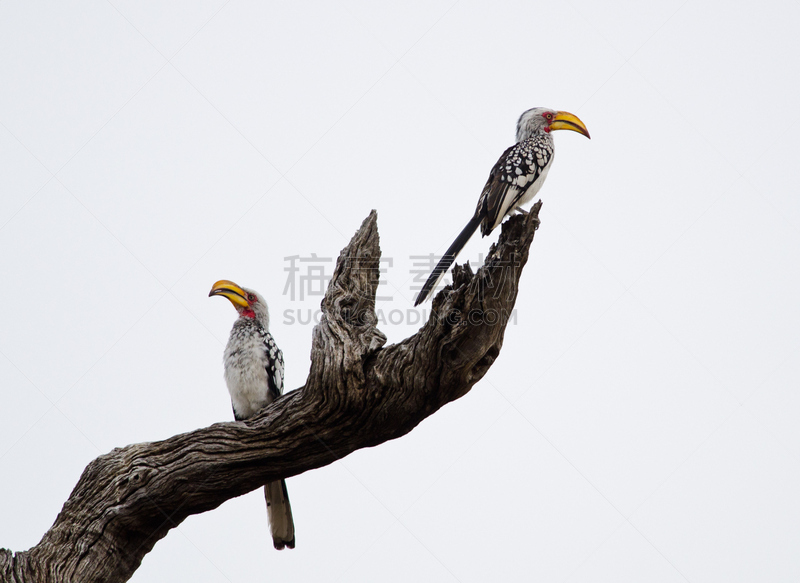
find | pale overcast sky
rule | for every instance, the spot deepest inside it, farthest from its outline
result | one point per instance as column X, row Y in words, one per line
column 641, row 423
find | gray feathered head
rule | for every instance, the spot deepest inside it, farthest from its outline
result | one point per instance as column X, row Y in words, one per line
column 249, row 303
column 544, row 120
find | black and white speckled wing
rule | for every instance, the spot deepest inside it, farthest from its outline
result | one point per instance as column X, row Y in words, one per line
column 279, row 510
column 521, row 166
column 274, row 365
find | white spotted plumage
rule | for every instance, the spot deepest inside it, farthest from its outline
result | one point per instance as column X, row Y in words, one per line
column 254, row 375
column 253, row 367
column 514, row 181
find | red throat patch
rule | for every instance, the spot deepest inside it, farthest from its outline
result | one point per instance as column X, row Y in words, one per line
column 248, row 313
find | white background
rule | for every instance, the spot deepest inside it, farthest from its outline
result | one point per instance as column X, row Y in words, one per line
column 641, row 423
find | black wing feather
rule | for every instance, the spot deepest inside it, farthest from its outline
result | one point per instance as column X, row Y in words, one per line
column 274, row 366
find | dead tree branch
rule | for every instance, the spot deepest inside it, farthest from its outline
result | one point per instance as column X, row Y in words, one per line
column 358, row 394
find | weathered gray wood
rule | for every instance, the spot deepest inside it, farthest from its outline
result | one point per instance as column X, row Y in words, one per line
column 358, row 394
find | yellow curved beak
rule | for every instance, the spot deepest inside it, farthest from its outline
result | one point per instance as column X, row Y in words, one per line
column 567, row 121
column 230, row 290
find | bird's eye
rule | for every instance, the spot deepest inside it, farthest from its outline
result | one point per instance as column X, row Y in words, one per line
column 549, row 116
column 251, row 298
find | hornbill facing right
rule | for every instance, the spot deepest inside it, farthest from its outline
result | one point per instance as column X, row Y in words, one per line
column 515, row 179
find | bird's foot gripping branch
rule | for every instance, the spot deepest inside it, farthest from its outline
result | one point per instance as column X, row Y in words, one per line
column 358, row 394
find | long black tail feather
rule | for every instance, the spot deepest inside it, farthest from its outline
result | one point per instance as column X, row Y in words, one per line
column 279, row 512
column 447, row 260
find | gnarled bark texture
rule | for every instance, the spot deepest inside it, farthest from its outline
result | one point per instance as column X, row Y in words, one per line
column 358, row 394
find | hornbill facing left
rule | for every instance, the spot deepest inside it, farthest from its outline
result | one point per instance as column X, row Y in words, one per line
column 515, row 179
column 254, row 375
